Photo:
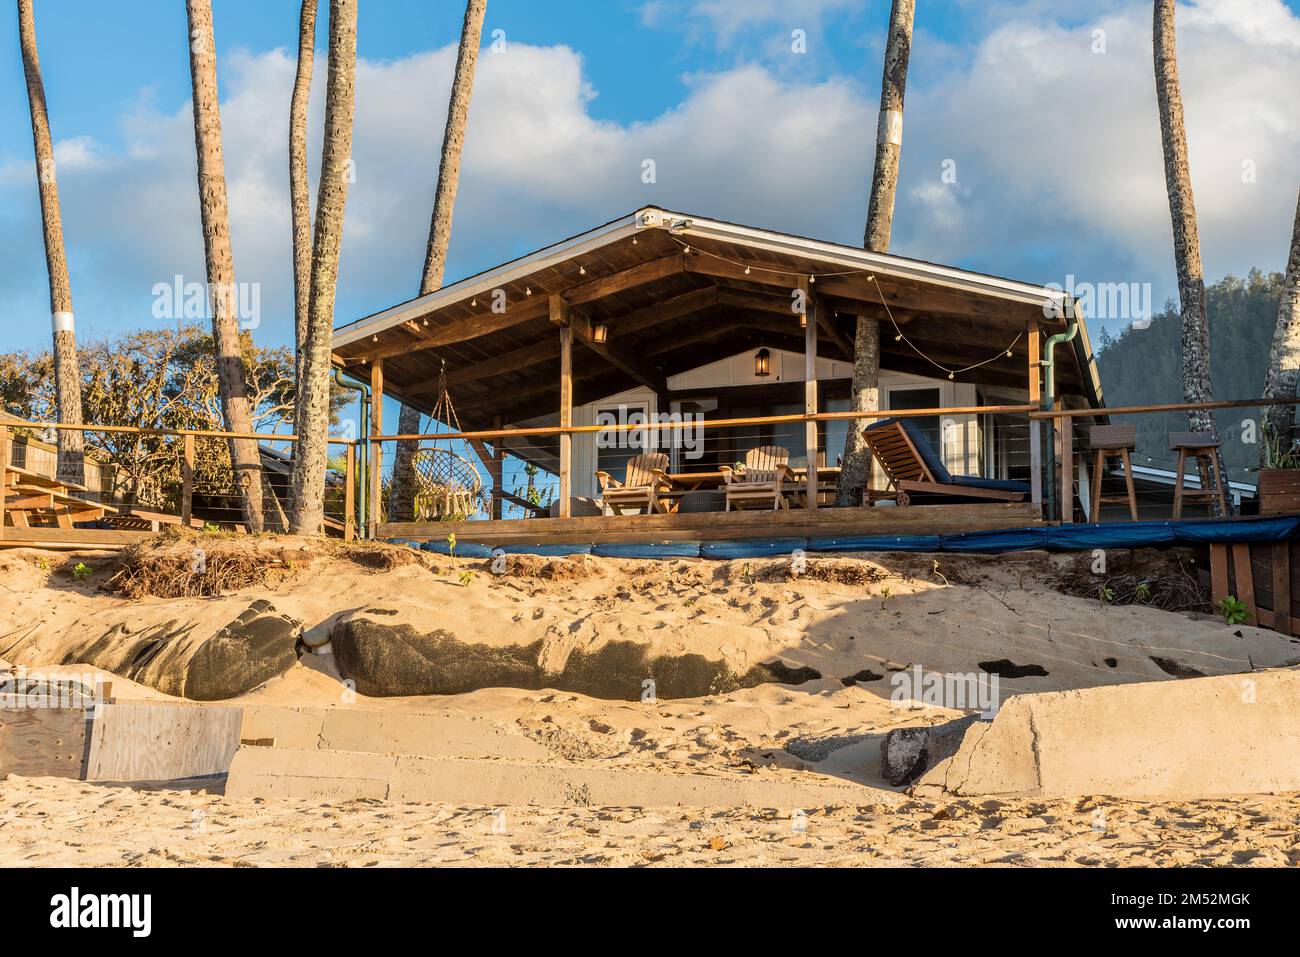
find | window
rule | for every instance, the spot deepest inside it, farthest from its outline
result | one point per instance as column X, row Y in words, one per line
column 923, row 398
column 614, row 448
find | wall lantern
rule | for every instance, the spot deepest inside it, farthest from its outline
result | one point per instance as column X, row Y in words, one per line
column 762, row 363
column 600, row 333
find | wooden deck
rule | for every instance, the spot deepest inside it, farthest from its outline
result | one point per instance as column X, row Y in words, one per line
column 722, row 526
column 70, row 539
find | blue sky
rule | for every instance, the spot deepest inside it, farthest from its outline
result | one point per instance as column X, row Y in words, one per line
column 1055, row 143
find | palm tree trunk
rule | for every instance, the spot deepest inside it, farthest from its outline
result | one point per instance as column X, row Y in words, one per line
column 865, row 391
column 244, row 455
column 444, row 204
column 299, row 191
column 67, row 372
column 312, row 408
column 1182, row 210
column 1284, row 356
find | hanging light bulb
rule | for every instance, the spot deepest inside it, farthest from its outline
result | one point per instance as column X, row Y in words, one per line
column 746, row 270
column 812, row 279
column 582, row 270
column 951, row 375
column 426, row 320
column 687, row 250
column 528, row 290
column 898, row 338
column 374, row 338
column 1008, row 353
column 474, row 301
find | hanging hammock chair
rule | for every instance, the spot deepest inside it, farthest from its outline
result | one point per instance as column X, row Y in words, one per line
column 447, row 486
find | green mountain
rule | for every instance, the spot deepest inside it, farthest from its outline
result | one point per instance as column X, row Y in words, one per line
column 1144, row 366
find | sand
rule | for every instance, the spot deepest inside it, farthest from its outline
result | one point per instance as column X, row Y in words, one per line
column 49, row 822
column 849, row 618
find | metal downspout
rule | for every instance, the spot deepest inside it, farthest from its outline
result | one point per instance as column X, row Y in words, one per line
column 1048, row 402
column 363, row 461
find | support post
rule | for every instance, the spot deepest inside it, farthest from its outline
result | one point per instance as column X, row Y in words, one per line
column 560, row 316
column 1066, row 429
column 811, row 319
column 4, row 475
column 1035, row 363
column 1036, row 465
column 376, row 448
column 350, row 495
column 187, row 481
column 497, row 472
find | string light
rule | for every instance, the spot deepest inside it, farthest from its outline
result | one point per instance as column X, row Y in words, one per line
column 899, row 337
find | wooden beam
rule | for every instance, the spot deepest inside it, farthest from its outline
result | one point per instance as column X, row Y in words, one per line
column 460, row 330
column 515, row 360
column 559, row 316
column 858, row 289
column 376, row 448
column 694, row 526
column 1245, row 580
column 531, row 355
column 669, row 309
column 638, row 275
column 187, row 480
column 1035, row 363
column 642, row 372
column 810, row 390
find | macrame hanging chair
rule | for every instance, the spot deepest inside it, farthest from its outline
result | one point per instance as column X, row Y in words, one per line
column 447, row 487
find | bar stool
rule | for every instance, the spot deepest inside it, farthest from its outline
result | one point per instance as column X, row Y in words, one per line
column 1198, row 445
column 1112, row 442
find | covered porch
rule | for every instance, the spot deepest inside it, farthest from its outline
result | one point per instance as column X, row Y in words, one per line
column 705, row 341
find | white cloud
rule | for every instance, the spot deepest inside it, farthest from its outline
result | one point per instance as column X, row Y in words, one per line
column 1056, row 151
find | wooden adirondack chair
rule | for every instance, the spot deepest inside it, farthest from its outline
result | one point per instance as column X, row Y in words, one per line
column 763, row 483
column 913, row 467
column 645, row 480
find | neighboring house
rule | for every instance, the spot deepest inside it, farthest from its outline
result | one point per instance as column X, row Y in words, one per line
column 42, row 457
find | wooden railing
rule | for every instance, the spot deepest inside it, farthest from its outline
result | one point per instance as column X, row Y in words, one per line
column 1060, row 420
column 188, row 458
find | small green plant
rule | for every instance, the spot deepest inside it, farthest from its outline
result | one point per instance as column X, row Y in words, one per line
column 81, row 571
column 885, row 594
column 1106, row 595
column 466, row 577
column 1233, row 610
column 1279, row 451
column 43, row 563
column 1143, row 592
column 211, row 529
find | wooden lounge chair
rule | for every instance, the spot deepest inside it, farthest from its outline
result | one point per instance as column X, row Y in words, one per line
column 763, row 484
column 643, row 484
column 914, row 468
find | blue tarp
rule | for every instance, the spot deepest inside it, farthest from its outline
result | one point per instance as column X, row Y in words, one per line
column 1062, row 538
column 752, row 548
column 877, row 543
column 648, row 550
